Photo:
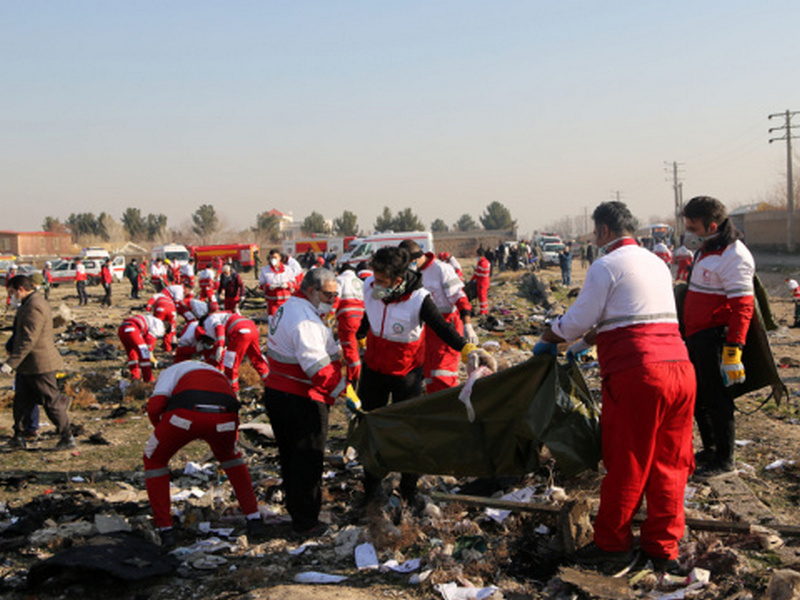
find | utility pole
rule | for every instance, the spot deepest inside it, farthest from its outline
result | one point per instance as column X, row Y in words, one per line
column 677, row 188
column 787, row 128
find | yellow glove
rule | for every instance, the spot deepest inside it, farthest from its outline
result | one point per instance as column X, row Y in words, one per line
column 732, row 367
column 362, row 343
column 353, row 402
column 466, row 350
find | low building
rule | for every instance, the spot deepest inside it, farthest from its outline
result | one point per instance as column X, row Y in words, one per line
column 35, row 243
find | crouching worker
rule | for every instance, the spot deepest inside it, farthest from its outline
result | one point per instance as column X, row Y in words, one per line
column 194, row 401
column 138, row 335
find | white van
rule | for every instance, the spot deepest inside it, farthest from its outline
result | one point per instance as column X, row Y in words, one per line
column 360, row 251
column 176, row 253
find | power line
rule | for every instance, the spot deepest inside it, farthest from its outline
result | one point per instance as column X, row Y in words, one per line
column 677, row 187
column 787, row 136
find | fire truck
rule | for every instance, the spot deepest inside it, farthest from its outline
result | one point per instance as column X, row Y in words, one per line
column 319, row 245
column 241, row 255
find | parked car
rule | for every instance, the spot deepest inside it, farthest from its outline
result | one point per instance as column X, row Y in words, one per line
column 64, row 272
column 21, row 270
column 550, row 253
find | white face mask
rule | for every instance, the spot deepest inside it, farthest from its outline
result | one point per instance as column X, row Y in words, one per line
column 323, row 308
column 274, row 262
column 379, row 292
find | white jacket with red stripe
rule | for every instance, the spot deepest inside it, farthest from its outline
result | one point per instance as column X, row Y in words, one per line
column 302, row 353
column 444, row 284
column 394, row 341
column 721, row 292
column 628, row 296
column 351, row 296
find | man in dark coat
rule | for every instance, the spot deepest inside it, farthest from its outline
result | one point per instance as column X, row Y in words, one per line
column 34, row 357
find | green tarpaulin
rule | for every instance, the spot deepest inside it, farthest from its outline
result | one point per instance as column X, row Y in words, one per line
column 533, row 403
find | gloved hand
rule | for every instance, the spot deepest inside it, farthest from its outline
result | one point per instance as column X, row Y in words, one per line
column 6, row 369
column 219, row 352
column 466, row 351
column 362, row 343
column 577, row 351
column 732, row 367
column 352, row 401
column 481, row 358
column 543, row 347
column 470, row 335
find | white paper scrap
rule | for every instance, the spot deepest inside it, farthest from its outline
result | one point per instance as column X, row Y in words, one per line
column 366, row 557
column 451, row 591
column 300, row 549
column 781, row 462
column 522, row 495
column 406, row 567
column 317, row 577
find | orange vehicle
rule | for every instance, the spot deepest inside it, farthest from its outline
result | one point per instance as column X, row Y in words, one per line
column 241, row 255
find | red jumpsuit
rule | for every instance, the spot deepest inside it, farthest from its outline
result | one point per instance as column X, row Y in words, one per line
column 648, row 396
column 349, row 314
column 163, row 308
column 138, row 335
column 278, row 284
column 447, row 291
column 193, row 401
column 481, row 277
column 234, row 337
column 206, row 279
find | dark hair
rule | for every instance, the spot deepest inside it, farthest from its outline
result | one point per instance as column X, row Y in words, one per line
column 616, row 216
column 391, row 261
column 21, row 282
column 707, row 209
column 274, row 251
column 413, row 248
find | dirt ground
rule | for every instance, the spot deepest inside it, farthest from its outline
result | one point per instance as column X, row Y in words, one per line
column 457, row 544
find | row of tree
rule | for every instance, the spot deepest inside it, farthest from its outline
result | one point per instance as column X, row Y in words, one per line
column 205, row 223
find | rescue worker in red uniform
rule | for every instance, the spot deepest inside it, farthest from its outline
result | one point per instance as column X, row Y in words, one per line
column 138, row 335
column 662, row 251
column 158, row 274
column 277, row 281
column 174, row 272
column 47, row 279
column 305, row 378
column 627, row 306
column 483, row 271
column 187, row 274
column 11, row 272
column 142, row 274
column 683, row 258
column 349, row 310
column 397, row 310
column 231, row 337
column 440, row 366
column 231, row 284
column 106, row 280
column 717, row 311
column 80, row 282
column 162, row 307
column 207, row 280
column 193, row 401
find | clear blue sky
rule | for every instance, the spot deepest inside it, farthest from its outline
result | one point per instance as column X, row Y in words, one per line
column 444, row 107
